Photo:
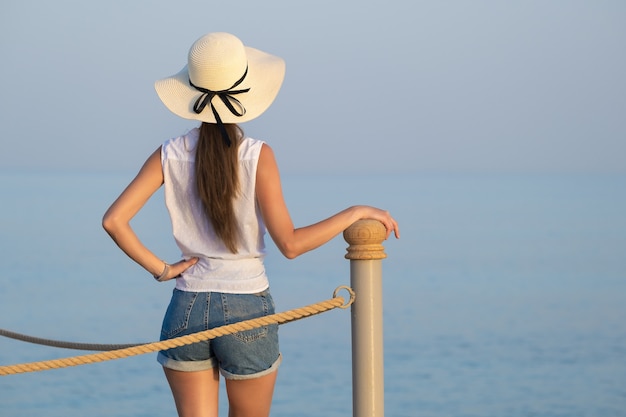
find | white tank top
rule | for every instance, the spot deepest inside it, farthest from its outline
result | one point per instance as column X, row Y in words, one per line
column 218, row 269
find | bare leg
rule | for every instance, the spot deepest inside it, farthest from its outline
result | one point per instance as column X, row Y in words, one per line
column 196, row 394
column 251, row 397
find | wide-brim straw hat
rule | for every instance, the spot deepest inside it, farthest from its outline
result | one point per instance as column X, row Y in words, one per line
column 217, row 62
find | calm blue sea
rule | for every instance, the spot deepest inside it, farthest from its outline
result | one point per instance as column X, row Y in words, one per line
column 505, row 297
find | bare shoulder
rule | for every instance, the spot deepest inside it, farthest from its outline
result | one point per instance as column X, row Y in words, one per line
column 267, row 161
column 268, row 185
column 266, row 152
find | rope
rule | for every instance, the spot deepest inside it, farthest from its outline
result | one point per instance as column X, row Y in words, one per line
column 63, row 344
column 278, row 318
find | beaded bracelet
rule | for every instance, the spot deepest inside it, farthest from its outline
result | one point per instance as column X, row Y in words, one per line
column 166, row 270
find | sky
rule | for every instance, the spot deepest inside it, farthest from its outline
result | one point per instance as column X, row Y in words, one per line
column 393, row 86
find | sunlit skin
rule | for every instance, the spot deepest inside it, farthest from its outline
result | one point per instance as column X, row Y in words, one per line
column 196, row 393
column 292, row 242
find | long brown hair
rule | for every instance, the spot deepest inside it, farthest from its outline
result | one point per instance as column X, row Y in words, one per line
column 217, row 179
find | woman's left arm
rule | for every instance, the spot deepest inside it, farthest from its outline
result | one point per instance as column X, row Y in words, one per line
column 116, row 220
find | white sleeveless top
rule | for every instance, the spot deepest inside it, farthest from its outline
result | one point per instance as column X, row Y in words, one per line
column 217, row 269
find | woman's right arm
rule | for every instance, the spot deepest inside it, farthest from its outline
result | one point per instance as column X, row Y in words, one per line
column 292, row 241
column 116, row 220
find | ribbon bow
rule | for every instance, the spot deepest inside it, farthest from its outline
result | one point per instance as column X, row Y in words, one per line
column 227, row 98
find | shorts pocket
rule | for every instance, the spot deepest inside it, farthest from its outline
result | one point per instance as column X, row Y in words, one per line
column 178, row 313
column 246, row 307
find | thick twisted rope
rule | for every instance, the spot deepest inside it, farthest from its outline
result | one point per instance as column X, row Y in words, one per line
column 278, row 318
column 64, row 344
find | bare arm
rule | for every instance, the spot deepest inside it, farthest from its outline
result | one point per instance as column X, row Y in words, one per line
column 116, row 220
column 293, row 242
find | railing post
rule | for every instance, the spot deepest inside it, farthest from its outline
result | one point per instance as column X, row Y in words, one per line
column 366, row 253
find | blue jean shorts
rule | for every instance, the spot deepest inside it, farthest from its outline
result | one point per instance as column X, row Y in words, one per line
column 244, row 355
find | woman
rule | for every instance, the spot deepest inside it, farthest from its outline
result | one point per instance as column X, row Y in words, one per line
column 222, row 191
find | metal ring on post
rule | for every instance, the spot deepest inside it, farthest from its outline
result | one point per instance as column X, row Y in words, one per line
column 350, row 291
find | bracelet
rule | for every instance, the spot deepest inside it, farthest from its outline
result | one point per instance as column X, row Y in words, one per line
column 166, row 270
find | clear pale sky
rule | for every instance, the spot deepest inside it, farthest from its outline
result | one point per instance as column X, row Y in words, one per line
column 371, row 86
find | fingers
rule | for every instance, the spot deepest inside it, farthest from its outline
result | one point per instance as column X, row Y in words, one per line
column 180, row 267
column 383, row 216
column 391, row 225
column 394, row 228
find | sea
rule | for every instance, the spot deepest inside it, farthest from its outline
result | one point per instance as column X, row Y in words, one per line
column 505, row 296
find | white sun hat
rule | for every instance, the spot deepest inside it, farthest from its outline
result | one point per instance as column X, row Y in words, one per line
column 223, row 81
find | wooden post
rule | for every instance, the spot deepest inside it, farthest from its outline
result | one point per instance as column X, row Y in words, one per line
column 366, row 253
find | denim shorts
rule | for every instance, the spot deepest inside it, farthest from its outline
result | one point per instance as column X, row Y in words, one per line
column 244, row 355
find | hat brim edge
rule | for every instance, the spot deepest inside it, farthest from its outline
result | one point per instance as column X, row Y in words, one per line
column 265, row 76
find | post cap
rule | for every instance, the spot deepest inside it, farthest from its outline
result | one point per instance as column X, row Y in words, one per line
column 365, row 238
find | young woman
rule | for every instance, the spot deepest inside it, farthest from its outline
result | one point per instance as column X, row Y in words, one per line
column 222, row 192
